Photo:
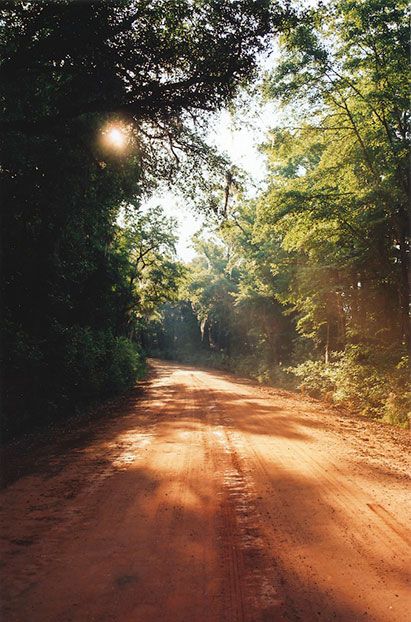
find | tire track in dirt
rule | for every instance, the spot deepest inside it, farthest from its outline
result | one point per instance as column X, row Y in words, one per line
column 350, row 499
column 254, row 592
column 346, row 500
column 206, row 502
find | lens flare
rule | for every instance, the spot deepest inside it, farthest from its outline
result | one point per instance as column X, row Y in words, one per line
column 115, row 137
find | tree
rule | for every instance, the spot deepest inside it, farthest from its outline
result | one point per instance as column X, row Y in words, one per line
column 312, row 273
column 150, row 61
column 210, row 285
column 75, row 286
column 345, row 209
column 146, row 244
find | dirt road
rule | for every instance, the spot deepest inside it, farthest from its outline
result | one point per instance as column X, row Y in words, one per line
column 204, row 498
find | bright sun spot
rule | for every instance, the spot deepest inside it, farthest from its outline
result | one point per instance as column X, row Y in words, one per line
column 115, row 138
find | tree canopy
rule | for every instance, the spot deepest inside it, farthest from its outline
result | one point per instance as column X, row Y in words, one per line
column 150, row 60
column 103, row 102
column 83, row 268
column 321, row 257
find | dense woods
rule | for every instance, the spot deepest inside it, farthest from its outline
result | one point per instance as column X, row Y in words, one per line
column 308, row 283
column 305, row 284
column 81, row 265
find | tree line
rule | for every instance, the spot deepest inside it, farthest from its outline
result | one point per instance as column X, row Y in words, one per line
column 82, row 265
column 308, row 284
column 307, row 281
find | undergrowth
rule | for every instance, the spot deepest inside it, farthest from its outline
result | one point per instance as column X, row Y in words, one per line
column 367, row 381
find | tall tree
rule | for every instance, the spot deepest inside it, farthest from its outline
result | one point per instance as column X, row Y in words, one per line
column 340, row 181
column 70, row 71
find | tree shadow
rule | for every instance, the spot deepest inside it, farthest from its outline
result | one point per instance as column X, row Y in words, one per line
column 170, row 532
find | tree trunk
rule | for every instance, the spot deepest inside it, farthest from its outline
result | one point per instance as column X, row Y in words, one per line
column 327, row 343
column 404, row 291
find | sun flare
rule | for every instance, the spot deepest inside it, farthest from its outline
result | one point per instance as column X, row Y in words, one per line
column 115, row 137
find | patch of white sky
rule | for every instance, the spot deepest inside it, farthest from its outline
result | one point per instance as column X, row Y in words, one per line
column 236, row 134
column 239, row 140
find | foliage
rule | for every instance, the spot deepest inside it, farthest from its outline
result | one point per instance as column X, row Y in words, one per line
column 370, row 381
column 97, row 364
column 84, row 267
column 160, row 67
column 150, row 60
column 309, row 280
column 312, row 274
column 82, row 349
column 213, row 325
column 210, row 284
column 338, row 200
column 146, row 248
column 175, row 334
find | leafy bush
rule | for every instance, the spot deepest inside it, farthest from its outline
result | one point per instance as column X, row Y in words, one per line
column 315, row 378
column 371, row 381
column 60, row 376
column 257, row 367
column 397, row 409
column 205, row 358
column 96, row 363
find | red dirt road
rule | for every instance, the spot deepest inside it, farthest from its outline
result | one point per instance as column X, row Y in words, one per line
column 204, row 498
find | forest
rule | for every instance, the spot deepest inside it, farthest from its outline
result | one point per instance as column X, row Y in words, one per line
column 304, row 285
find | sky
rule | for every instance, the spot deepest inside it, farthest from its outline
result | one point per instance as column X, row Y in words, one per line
column 238, row 138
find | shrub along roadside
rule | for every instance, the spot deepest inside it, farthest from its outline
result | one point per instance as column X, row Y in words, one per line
column 66, row 375
column 369, row 381
column 97, row 363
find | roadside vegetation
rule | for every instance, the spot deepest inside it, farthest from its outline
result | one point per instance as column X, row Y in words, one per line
column 102, row 103
column 304, row 285
column 307, row 285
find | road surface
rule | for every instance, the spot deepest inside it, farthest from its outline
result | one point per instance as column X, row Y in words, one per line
column 202, row 497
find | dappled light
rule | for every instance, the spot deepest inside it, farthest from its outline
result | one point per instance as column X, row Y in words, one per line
column 205, row 337
column 202, row 476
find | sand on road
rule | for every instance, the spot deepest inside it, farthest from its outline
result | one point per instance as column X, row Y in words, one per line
column 205, row 498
